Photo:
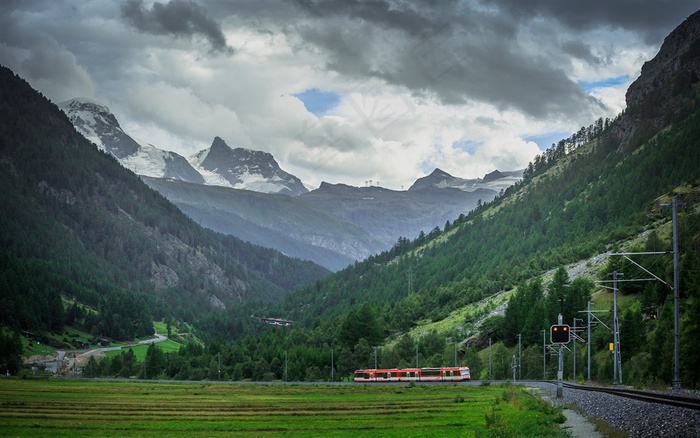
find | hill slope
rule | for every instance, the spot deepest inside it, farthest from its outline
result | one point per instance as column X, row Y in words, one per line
column 287, row 224
column 584, row 197
column 78, row 225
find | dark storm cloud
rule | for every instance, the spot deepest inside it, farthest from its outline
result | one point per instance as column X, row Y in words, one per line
column 459, row 51
column 179, row 18
column 458, row 56
column 579, row 49
column 36, row 55
column 384, row 13
column 653, row 19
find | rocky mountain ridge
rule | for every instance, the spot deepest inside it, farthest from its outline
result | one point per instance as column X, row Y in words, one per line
column 246, row 169
column 677, row 53
column 334, row 225
column 217, row 165
column 495, row 180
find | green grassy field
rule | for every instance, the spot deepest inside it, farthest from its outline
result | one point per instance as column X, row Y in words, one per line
column 59, row 408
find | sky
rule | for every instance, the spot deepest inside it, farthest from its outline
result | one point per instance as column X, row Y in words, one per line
column 345, row 91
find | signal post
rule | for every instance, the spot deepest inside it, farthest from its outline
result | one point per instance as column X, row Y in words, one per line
column 560, row 334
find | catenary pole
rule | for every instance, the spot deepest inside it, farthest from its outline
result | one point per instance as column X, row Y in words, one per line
column 520, row 357
column 676, row 302
column 617, row 377
column 490, row 359
column 588, row 346
column 544, row 354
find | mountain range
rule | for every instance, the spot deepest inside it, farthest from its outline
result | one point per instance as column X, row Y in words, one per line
column 218, row 165
column 245, row 193
column 78, row 226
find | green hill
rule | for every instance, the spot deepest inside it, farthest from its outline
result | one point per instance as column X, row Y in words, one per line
column 78, row 226
column 587, row 195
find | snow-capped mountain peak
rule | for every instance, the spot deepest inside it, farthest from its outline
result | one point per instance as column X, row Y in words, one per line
column 218, row 165
column 245, row 169
column 96, row 122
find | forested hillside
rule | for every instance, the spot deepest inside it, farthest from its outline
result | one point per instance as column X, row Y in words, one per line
column 595, row 192
column 85, row 242
column 578, row 199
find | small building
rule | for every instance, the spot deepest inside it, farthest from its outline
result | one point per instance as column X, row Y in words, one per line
column 276, row 321
column 80, row 344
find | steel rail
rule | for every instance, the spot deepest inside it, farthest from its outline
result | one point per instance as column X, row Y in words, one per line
column 651, row 397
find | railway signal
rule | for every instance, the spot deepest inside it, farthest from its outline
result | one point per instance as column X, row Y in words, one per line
column 560, row 334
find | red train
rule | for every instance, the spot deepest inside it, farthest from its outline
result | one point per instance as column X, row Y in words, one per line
column 444, row 374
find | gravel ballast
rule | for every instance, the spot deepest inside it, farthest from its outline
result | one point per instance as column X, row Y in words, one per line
column 634, row 417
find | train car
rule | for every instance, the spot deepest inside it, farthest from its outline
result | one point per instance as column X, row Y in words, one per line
column 443, row 374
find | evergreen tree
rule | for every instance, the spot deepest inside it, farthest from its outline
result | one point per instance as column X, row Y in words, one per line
column 632, row 333
column 406, row 349
column 154, row 363
column 556, row 296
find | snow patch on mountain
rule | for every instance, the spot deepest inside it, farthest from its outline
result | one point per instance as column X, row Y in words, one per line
column 211, row 178
column 147, row 161
column 495, row 181
column 257, row 183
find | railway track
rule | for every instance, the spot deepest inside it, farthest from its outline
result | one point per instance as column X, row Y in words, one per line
column 647, row 396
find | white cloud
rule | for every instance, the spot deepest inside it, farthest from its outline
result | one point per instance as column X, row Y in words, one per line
column 179, row 112
column 460, row 86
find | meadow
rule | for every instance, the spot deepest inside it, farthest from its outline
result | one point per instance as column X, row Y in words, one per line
column 57, row 408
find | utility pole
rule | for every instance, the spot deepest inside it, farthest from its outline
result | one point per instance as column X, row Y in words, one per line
column 575, row 334
column 520, row 357
column 598, row 321
column 676, row 384
column 617, row 374
column 544, row 354
column 332, row 367
column 588, row 347
column 490, row 359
